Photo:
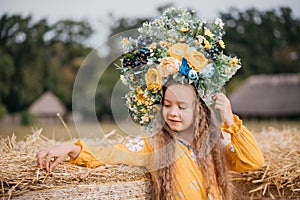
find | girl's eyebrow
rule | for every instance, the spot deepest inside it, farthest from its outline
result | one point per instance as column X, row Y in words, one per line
column 180, row 102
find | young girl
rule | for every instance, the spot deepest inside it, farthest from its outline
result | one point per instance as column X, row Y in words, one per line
column 186, row 154
column 186, row 177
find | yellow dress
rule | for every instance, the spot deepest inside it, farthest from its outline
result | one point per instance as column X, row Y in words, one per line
column 242, row 154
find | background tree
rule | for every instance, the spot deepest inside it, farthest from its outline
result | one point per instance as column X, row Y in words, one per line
column 266, row 41
column 36, row 57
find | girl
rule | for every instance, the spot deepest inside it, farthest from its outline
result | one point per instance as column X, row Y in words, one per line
column 189, row 175
column 180, row 66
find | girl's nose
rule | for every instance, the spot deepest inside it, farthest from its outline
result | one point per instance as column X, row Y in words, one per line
column 174, row 111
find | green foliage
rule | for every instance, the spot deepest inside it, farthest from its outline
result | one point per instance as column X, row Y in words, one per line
column 265, row 40
column 26, row 118
column 37, row 56
column 3, row 110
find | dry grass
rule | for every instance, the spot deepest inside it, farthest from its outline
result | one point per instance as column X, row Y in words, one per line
column 280, row 177
column 20, row 179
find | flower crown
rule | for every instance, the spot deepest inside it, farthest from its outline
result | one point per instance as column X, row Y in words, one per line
column 176, row 46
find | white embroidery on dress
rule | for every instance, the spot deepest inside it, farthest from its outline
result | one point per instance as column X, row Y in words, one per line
column 135, row 144
column 226, row 138
column 193, row 156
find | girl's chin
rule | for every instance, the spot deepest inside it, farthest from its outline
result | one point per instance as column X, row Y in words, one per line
column 175, row 127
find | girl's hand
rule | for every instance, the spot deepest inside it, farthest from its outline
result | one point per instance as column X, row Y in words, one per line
column 222, row 104
column 50, row 157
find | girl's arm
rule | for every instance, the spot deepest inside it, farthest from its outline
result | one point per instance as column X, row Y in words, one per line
column 133, row 152
column 242, row 152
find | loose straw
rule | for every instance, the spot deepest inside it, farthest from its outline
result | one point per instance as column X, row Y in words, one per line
column 65, row 125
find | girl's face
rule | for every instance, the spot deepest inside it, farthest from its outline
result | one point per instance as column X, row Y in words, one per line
column 178, row 107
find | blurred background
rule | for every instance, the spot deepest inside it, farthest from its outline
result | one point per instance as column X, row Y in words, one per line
column 43, row 44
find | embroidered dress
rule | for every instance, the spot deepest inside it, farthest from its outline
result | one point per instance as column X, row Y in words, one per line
column 189, row 183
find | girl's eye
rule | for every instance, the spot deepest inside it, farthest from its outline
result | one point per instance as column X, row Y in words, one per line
column 167, row 105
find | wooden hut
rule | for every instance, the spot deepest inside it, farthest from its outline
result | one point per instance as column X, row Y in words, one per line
column 46, row 107
column 268, row 96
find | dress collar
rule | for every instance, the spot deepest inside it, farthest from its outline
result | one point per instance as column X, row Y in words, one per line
column 184, row 143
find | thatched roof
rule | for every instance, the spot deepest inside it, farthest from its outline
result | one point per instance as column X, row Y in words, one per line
column 47, row 105
column 268, row 96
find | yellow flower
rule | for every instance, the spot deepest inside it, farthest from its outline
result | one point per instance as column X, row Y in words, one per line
column 164, row 43
column 207, row 45
column 153, row 45
column 144, row 110
column 178, row 50
column 168, row 66
column 184, row 29
column 182, row 39
column 197, row 42
column 139, row 90
column 124, row 41
column 208, row 33
column 153, row 80
column 196, row 60
column 140, row 95
column 222, row 44
column 233, row 61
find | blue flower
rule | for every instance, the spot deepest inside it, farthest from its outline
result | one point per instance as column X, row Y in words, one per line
column 192, row 75
column 184, row 68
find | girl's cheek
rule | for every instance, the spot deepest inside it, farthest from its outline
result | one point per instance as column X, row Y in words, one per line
column 164, row 112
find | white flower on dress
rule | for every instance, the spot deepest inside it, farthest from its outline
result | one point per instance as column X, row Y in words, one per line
column 135, row 144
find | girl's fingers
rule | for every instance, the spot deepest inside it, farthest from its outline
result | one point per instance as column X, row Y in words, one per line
column 40, row 157
column 55, row 163
column 49, row 156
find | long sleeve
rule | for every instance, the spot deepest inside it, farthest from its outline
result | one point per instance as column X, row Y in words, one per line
column 132, row 153
column 243, row 153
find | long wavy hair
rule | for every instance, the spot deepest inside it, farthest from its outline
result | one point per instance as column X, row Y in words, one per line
column 212, row 165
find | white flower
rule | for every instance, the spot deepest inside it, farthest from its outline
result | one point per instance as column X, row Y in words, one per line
column 208, row 71
column 219, row 23
column 144, row 119
column 135, row 144
column 200, row 38
column 123, row 80
column 192, row 75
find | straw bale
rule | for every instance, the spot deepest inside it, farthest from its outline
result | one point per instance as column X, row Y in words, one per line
column 20, row 179
column 280, row 177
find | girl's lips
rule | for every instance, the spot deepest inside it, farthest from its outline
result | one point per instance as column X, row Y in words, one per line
column 174, row 120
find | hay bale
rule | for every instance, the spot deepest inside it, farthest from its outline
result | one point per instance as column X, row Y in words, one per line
column 280, row 177
column 20, row 179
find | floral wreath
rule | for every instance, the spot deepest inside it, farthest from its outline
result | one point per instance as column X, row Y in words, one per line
column 175, row 46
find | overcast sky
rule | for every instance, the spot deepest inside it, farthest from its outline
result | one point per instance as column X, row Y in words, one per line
column 97, row 11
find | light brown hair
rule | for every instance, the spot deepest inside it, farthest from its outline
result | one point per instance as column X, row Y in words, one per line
column 213, row 165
